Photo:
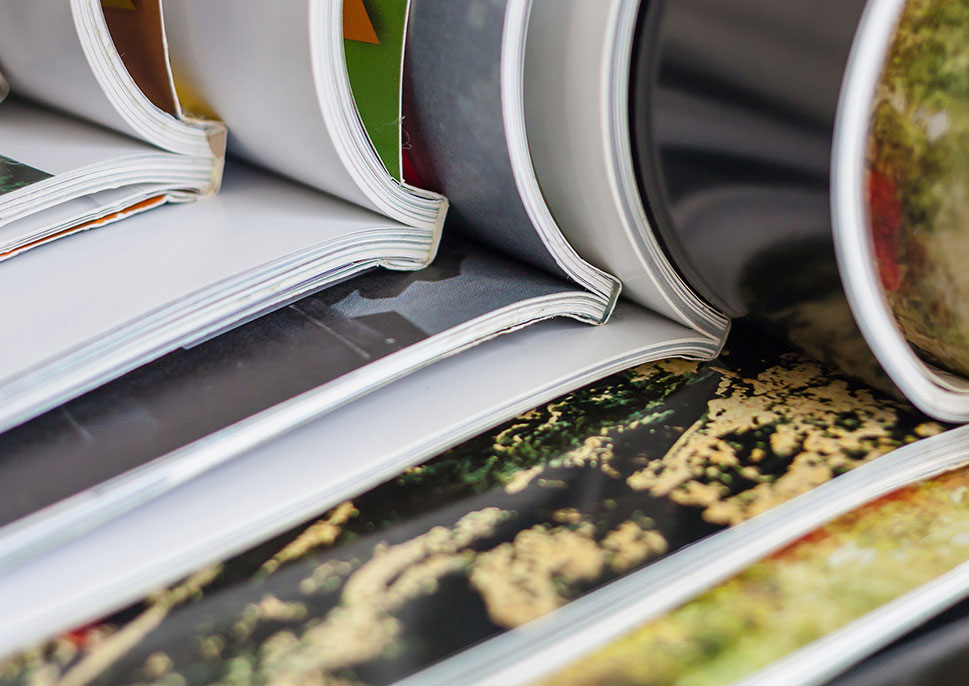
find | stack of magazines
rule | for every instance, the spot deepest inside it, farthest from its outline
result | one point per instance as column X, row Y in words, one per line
column 481, row 341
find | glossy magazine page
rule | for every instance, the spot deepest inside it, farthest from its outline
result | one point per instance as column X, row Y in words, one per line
column 265, row 487
column 899, row 165
column 360, row 326
column 84, row 317
column 506, row 528
column 373, row 40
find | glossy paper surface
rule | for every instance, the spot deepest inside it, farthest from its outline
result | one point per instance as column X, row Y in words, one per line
column 503, row 529
column 374, row 46
column 918, row 181
column 733, row 109
column 850, row 567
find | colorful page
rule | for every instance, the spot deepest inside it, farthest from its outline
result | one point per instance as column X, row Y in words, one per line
column 918, row 177
column 852, row 566
column 501, row 530
column 374, row 43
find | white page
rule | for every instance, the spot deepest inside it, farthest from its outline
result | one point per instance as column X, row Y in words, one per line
column 577, row 64
column 253, row 64
column 42, row 58
column 276, row 74
column 58, row 143
column 285, row 482
column 83, row 293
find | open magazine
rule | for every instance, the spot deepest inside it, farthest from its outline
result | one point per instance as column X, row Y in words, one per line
column 529, row 546
column 62, row 175
column 552, row 215
column 168, row 279
column 504, row 265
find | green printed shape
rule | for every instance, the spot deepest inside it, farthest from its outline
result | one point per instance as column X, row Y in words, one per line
column 375, row 79
column 15, row 175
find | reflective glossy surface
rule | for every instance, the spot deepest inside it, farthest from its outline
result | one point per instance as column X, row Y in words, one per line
column 734, row 103
column 498, row 531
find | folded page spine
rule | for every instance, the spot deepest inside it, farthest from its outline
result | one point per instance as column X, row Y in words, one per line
column 276, row 74
column 194, row 137
column 464, row 108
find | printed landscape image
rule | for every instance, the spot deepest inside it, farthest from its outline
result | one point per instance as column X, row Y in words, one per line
column 14, row 175
column 499, row 531
column 919, row 179
column 812, row 588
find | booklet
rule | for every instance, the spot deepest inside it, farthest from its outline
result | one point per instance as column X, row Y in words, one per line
column 73, row 135
column 541, row 229
column 506, row 267
column 610, row 497
column 127, row 148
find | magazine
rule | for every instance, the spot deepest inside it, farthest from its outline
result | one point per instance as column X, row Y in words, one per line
column 553, row 215
column 136, row 150
column 503, row 536
column 261, row 243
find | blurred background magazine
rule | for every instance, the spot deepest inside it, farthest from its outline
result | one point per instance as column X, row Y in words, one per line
column 815, row 608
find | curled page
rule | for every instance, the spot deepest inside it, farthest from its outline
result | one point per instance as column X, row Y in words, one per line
column 87, row 176
column 465, row 124
column 812, row 159
column 276, row 73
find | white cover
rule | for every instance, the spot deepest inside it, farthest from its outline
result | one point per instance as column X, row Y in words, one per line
column 577, row 63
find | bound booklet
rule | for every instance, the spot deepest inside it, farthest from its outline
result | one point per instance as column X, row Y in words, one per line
column 505, row 263
column 518, row 112
column 106, row 302
column 127, row 148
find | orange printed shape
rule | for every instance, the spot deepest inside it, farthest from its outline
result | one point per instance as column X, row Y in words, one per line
column 356, row 23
